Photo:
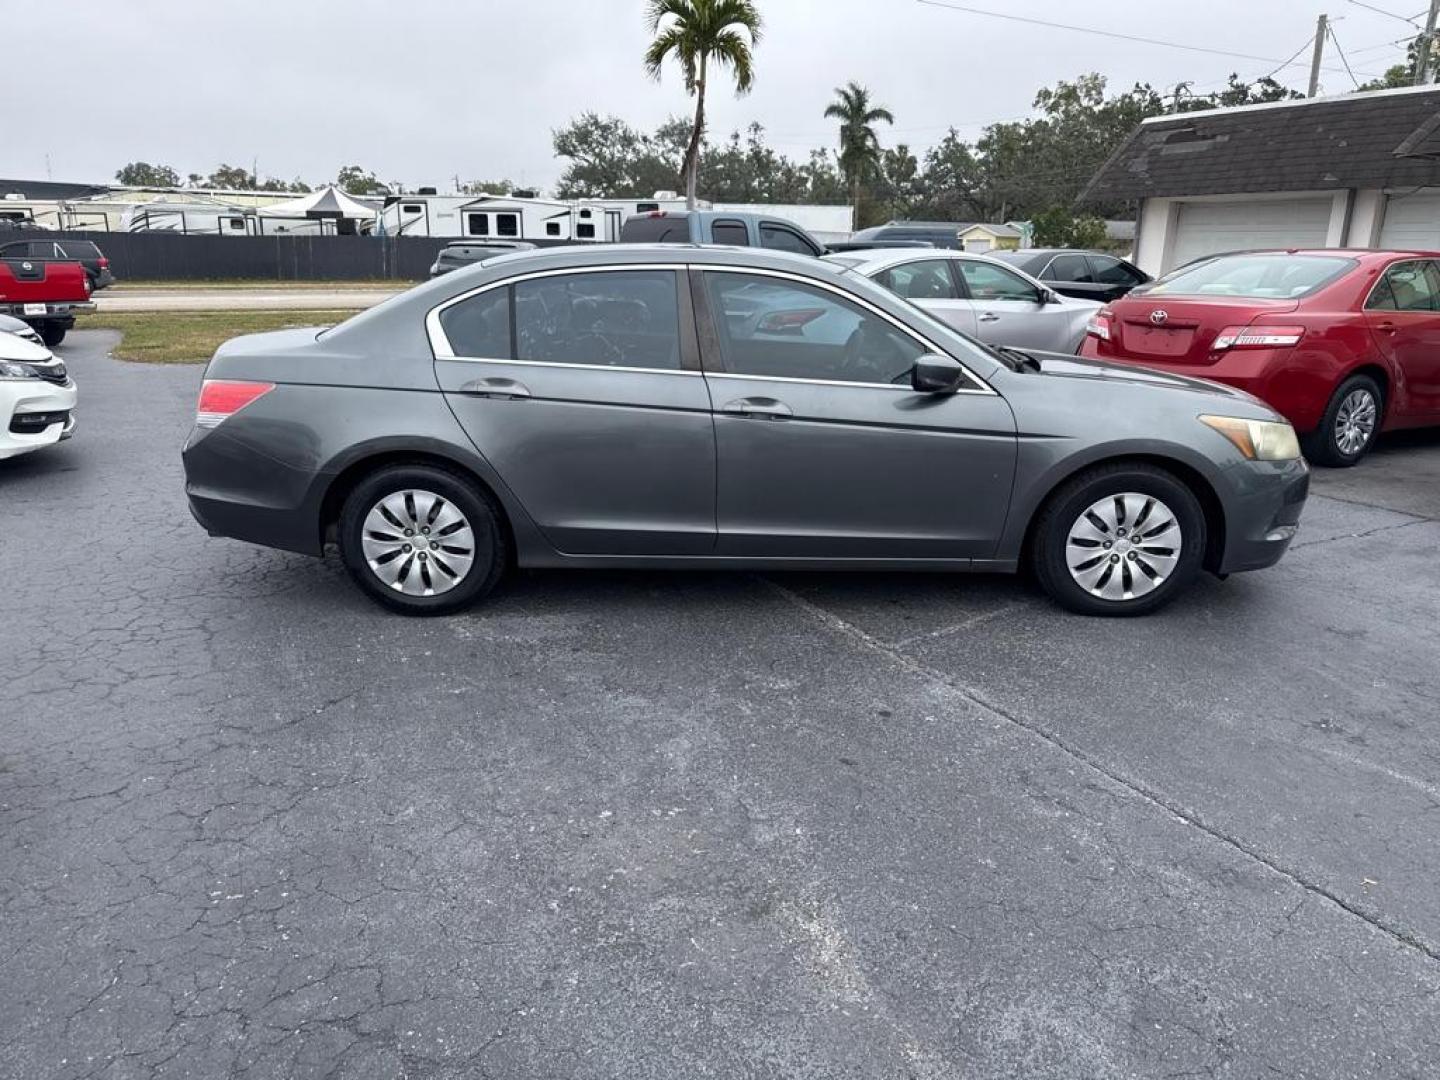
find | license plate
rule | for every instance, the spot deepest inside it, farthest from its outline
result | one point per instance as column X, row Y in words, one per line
column 1163, row 342
column 34, row 309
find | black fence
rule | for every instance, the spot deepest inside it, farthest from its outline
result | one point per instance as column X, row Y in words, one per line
column 178, row 257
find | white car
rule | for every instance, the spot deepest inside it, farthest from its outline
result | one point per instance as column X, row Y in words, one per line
column 11, row 325
column 37, row 397
column 982, row 298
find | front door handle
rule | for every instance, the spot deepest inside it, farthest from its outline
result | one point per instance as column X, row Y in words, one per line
column 503, row 389
column 1386, row 327
column 761, row 408
column 989, row 316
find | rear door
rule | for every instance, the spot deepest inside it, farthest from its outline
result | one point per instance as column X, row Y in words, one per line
column 823, row 449
column 583, row 390
column 931, row 284
column 1403, row 313
column 1072, row 275
column 1008, row 309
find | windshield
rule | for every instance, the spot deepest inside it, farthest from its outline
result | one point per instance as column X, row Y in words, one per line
column 1273, row 277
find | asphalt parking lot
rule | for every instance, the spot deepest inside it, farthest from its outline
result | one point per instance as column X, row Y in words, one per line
column 649, row 825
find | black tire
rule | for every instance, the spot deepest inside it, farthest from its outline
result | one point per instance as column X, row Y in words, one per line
column 1063, row 511
column 52, row 334
column 481, row 512
column 1323, row 445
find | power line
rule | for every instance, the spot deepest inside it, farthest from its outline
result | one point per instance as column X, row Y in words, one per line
column 1381, row 11
column 1331, row 30
column 1107, row 33
column 1308, row 42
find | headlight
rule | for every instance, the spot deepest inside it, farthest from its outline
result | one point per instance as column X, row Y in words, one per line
column 1258, row 440
column 10, row 370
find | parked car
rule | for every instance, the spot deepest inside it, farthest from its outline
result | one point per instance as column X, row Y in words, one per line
column 85, row 252
column 622, row 407
column 940, row 234
column 718, row 227
column 47, row 295
column 11, row 325
column 37, row 397
column 978, row 296
column 469, row 252
column 1086, row 275
column 1343, row 343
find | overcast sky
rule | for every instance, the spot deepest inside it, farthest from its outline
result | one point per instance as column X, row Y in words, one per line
column 424, row 90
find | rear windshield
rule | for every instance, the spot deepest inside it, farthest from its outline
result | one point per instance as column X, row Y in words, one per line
column 656, row 230
column 1273, row 277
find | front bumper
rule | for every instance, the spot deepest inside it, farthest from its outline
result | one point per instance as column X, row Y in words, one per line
column 28, row 398
column 1263, row 515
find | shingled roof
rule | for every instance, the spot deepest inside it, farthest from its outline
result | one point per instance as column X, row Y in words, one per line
column 1387, row 138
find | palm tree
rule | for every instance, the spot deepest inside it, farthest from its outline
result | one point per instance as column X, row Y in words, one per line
column 859, row 145
column 696, row 32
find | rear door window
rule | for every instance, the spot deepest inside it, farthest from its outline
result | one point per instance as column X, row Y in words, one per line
column 1110, row 271
column 1407, row 286
column 779, row 238
column 658, row 229
column 733, row 233
column 1069, row 268
column 925, row 279
column 614, row 318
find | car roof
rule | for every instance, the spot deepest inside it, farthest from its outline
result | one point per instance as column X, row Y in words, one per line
column 876, row 258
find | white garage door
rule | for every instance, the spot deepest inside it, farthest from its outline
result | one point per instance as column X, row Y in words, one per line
column 1412, row 221
column 1204, row 228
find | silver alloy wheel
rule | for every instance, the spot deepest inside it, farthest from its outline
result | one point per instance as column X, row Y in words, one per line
column 1355, row 421
column 418, row 543
column 1123, row 546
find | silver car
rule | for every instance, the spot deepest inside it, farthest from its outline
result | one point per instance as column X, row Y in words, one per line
column 978, row 296
column 722, row 408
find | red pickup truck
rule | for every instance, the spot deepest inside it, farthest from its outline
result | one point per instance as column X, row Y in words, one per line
column 45, row 294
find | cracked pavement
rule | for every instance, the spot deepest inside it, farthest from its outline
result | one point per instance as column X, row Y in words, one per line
column 689, row 825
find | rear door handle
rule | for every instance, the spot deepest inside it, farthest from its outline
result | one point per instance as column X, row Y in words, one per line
column 761, row 408
column 503, row 389
column 989, row 316
column 1386, row 327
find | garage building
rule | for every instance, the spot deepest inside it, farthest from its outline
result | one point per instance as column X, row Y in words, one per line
column 1359, row 170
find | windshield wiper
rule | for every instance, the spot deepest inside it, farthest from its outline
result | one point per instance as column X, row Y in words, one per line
column 1016, row 359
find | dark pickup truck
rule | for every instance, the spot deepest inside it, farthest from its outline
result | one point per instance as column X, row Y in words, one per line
column 47, row 295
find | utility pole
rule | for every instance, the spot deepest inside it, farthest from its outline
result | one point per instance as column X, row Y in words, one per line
column 1319, row 52
column 1427, row 40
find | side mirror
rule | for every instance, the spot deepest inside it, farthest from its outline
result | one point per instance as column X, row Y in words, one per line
column 1049, row 296
column 936, row 374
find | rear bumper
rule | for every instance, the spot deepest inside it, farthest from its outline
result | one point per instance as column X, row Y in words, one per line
column 235, row 491
column 62, row 309
column 1263, row 517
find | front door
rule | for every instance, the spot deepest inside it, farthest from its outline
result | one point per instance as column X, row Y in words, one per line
column 1403, row 313
column 583, row 391
column 1011, row 311
column 824, row 450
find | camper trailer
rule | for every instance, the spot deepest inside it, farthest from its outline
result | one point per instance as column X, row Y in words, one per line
column 515, row 217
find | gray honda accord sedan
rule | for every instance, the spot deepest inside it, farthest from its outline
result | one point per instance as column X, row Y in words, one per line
column 700, row 407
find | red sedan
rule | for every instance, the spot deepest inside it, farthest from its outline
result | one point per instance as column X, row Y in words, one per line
column 1343, row 343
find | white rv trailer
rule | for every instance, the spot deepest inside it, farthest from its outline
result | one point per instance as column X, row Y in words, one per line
column 510, row 217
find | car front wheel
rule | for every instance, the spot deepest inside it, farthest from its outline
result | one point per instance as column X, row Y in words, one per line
column 1351, row 422
column 1122, row 539
column 422, row 540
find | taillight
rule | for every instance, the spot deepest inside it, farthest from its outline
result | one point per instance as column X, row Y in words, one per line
column 1257, row 337
column 86, row 278
column 778, row 322
column 1099, row 325
column 104, row 263
column 223, row 398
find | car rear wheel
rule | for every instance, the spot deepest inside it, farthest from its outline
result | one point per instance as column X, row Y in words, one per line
column 52, row 334
column 422, row 540
column 1351, row 422
column 1122, row 539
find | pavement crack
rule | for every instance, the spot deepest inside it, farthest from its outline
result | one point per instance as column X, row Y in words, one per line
column 1360, row 535
column 1138, row 787
column 1369, row 506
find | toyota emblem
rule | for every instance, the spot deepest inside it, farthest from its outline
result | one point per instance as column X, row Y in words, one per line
column 1158, row 316
column 27, row 266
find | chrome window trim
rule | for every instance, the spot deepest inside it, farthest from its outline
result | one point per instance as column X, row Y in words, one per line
column 441, row 347
column 982, row 387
